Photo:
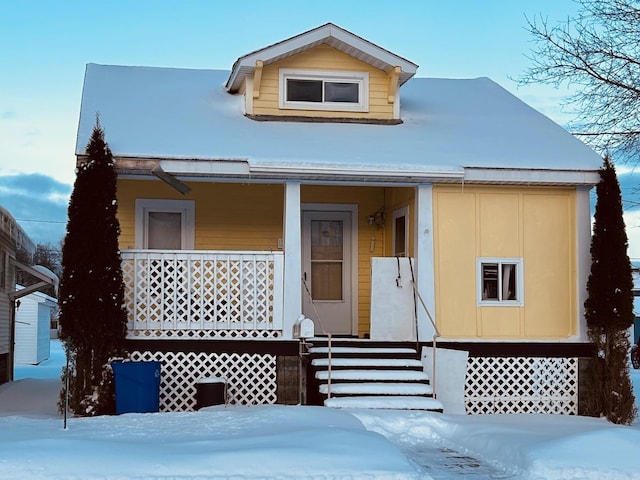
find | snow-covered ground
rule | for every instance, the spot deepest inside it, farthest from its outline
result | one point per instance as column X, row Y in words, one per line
column 294, row 442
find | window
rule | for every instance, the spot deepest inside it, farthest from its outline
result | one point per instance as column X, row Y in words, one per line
column 500, row 281
column 165, row 224
column 400, row 232
column 320, row 90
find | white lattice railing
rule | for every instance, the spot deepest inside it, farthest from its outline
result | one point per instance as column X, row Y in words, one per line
column 194, row 293
column 521, row 385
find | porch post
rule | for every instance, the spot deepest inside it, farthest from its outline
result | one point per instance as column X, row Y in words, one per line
column 583, row 254
column 425, row 266
column 292, row 302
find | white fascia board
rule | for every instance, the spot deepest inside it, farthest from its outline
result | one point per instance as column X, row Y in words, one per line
column 244, row 168
column 205, row 167
column 373, row 50
column 364, row 171
column 519, row 176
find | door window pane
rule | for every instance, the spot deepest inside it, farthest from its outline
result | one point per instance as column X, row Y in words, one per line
column 326, row 280
column 326, row 259
column 164, row 230
column 326, row 240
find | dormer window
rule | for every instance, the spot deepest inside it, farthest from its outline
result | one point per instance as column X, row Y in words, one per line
column 324, row 90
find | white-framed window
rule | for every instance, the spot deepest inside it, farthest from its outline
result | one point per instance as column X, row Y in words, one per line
column 165, row 224
column 324, row 90
column 400, row 235
column 500, row 281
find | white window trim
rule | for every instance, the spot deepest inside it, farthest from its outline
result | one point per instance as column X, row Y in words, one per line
column 519, row 302
column 397, row 213
column 185, row 207
column 361, row 78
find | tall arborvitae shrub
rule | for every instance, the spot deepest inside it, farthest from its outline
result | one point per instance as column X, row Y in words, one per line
column 91, row 296
column 609, row 307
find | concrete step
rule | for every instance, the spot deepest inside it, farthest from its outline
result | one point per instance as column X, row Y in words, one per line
column 374, row 375
column 377, row 388
column 400, row 402
column 338, row 351
column 368, row 363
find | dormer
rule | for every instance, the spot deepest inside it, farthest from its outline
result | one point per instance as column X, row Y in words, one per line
column 325, row 74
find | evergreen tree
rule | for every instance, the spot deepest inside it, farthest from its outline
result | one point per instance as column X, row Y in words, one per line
column 609, row 306
column 91, row 296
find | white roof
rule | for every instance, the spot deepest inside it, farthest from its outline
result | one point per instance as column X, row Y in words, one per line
column 451, row 128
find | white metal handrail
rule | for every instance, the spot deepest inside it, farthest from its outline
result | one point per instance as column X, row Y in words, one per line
column 328, row 334
column 436, row 332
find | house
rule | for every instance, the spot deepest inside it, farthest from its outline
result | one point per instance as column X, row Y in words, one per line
column 13, row 239
column 33, row 327
column 321, row 179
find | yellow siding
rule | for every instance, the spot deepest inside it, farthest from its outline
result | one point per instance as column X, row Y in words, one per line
column 227, row 216
column 323, row 58
column 537, row 225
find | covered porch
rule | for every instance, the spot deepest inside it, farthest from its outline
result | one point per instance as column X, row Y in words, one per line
column 208, row 292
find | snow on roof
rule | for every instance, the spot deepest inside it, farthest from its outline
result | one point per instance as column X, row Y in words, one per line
column 448, row 126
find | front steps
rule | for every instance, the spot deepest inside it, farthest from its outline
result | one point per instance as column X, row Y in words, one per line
column 367, row 374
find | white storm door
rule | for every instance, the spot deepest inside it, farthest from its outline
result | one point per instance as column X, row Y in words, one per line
column 326, row 264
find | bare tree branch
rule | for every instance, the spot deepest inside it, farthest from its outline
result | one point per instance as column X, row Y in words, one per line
column 597, row 55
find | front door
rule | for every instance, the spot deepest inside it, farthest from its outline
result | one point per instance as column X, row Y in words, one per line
column 326, row 262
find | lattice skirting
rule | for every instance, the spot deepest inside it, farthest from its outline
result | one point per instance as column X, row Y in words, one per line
column 182, row 334
column 251, row 378
column 521, row 385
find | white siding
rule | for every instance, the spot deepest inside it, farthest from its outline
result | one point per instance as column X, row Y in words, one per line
column 32, row 329
column 4, row 322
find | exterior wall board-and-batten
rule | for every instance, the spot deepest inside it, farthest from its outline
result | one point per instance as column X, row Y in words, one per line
column 322, row 58
column 535, row 224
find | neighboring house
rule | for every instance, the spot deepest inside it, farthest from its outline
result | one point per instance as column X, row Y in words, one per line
column 635, row 329
column 12, row 240
column 302, row 173
column 33, row 327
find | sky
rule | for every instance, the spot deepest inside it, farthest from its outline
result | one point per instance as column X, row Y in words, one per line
column 300, row 442
column 47, row 43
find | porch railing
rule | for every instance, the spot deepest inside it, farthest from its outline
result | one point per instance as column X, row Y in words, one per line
column 203, row 291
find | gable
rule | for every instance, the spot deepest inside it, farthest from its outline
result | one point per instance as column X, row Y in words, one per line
column 328, row 34
column 321, row 62
column 327, row 78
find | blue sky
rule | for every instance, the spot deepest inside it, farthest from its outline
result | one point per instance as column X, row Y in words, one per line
column 47, row 43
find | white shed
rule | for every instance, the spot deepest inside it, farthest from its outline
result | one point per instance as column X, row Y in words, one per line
column 33, row 319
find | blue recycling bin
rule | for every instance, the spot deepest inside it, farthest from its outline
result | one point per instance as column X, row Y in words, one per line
column 137, row 386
